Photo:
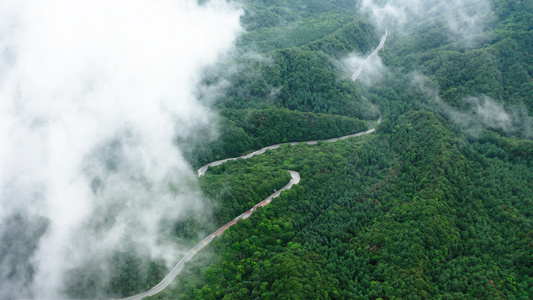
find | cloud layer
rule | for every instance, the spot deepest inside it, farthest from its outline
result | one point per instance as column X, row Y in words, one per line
column 464, row 19
column 483, row 112
column 93, row 94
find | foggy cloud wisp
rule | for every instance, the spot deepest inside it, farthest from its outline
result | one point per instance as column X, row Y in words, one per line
column 92, row 95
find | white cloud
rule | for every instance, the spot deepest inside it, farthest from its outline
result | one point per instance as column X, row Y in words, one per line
column 491, row 113
column 368, row 68
column 483, row 112
column 96, row 91
column 464, row 19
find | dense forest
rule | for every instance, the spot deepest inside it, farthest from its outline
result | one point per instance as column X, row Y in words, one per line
column 438, row 203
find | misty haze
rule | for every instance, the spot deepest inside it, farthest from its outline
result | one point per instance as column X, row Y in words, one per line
column 244, row 149
column 94, row 94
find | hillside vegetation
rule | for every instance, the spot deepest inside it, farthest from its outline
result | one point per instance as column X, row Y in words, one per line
column 437, row 204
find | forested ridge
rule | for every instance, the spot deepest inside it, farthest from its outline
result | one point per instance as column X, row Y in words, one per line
column 438, row 203
column 243, row 130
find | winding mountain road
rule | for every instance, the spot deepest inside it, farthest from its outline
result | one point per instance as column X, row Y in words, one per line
column 179, row 266
column 295, row 180
column 201, row 172
column 381, row 44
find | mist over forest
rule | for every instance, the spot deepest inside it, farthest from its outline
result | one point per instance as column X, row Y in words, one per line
column 109, row 108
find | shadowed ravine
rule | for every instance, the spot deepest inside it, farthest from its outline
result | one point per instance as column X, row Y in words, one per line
column 201, row 172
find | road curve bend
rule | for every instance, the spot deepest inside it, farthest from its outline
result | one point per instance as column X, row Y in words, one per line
column 201, row 172
column 179, row 266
